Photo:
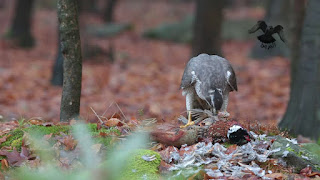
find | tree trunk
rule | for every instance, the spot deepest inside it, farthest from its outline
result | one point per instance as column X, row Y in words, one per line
column 109, row 11
column 298, row 14
column 57, row 73
column 72, row 65
column 21, row 26
column 278, row 13
column 207, row 27
column 303, row 112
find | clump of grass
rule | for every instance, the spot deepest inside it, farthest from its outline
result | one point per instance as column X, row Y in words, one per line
column 123, row 162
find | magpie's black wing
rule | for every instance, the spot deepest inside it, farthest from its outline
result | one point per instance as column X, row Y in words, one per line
column 260, row 25
column 279, row 29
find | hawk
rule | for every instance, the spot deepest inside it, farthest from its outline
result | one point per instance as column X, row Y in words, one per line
column 268, row 31
column 206, row 83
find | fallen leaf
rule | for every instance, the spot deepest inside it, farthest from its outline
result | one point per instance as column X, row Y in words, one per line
column 314, row 174
column 4, row 164
column 231, row 149
column 73, row 122
column 3, row 139
column 47, row 136
column 47, row 124
column 305, row 171
column 14, row 158
column 96, row 148
column 36, row 120
column 69, row 142
column 166, row 153
column 275, row 176
column 104, row 134
column 164, row 166
column 113, row 122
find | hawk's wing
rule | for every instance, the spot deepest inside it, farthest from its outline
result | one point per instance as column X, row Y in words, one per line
column 260, row 25
column 231, row 78
column 279, row 29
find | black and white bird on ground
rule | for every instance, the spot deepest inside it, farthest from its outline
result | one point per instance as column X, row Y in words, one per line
column 238, row 135
column 206, row 83
column 266, row 39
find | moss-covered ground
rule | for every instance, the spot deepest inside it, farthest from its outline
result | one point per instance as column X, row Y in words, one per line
column 14, row 138
column 138, row 168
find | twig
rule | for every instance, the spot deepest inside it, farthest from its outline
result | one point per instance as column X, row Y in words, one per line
column 96, row 115
column 121, row 112
column 107, row 109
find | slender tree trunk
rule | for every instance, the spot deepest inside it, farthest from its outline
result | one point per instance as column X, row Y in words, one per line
column 109, row 11
column 303, row 112
column 72, row 65
column 207, row 27
column 21, row 25
column 57, row 73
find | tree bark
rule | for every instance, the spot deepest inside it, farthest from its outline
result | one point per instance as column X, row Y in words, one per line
column 72, row 65
column 109, row 11
column 303, row 112
column 21, row 25
column 57, row 72
column 298, row 14
column 207, row 27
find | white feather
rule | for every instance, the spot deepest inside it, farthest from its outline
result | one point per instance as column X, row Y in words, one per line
column 233, row 129
column 228, row 75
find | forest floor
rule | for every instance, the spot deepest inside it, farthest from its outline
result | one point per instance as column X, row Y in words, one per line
column 143, row 81
column 145, row 77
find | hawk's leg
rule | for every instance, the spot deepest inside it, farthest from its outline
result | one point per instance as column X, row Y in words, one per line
column 189, row 103
column 223, row 112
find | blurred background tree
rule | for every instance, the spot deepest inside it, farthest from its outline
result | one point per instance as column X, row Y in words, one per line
column 108, row 12
column 57, row 72
column 20, row 30
column 88, row 5
column 303, row 111
column 207, row 27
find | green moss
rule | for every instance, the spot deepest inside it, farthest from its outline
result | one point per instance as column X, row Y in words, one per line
column 272, row 133
column 95, row 132
column 13, row 136
column 227, row 144
column 290, row 149
column 44, row 130
column 138, row 168
column 92, row 127
column 17, row 143
column 313, row 149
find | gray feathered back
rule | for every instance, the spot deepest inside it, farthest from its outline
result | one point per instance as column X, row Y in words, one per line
column 211, row 72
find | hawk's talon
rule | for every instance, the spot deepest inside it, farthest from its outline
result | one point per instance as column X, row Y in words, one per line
column 187, row 125
column 190, row 122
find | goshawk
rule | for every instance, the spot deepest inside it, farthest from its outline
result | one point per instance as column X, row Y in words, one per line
column 206, row 83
